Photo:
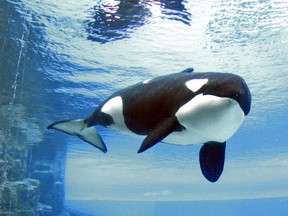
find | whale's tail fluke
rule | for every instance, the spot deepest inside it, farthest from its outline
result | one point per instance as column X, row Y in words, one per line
column 79, row 128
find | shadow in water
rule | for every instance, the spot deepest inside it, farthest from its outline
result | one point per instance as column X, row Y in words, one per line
column 176, row 10
column 118, row 19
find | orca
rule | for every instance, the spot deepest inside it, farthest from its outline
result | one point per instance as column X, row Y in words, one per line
column 181, row 108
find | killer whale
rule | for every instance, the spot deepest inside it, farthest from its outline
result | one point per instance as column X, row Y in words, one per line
column 180, row 108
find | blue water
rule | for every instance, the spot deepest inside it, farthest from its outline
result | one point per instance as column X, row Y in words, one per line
column 74, row 54
column 263, row 207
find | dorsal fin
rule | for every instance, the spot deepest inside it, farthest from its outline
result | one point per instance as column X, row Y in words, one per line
column 188, row 70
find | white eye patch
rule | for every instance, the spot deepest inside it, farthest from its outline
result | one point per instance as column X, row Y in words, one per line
column 195, row 84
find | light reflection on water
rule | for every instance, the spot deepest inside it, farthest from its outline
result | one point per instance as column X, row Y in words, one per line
column 83, row 66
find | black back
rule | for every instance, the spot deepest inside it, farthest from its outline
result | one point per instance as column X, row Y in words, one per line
column 145, row 105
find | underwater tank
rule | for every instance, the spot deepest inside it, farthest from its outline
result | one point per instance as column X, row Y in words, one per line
column 61, row 59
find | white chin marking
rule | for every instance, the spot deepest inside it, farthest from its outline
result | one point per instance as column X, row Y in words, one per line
column 195, row 84
column 207, row 118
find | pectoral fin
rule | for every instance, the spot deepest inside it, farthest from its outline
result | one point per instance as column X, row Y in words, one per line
column 161, row 130
column 212, row 157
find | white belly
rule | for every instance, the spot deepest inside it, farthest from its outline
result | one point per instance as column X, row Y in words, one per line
column 207, row 118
